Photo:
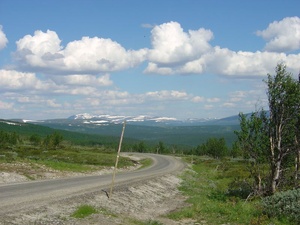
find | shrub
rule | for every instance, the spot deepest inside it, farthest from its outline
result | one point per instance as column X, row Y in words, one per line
column 84, row 211
column 239, row 188
column 285, row 204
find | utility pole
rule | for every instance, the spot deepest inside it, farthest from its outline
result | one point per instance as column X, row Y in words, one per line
column 117, row 160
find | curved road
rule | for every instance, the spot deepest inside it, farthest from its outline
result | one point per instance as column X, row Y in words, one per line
column 38, row 192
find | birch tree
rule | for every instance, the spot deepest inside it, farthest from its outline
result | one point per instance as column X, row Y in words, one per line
column 274, row 138
column 283, row 97
column 253, row 140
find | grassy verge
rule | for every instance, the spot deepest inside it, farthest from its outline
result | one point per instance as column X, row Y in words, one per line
column 84, row 211
column 77, row 159
column 206, row 186
column 145, row 163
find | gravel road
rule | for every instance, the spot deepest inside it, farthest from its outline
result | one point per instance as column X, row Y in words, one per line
column 145, row 194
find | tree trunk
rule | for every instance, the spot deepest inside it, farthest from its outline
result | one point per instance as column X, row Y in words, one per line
column 297, row 165
column 258, row 183
column 275, row 176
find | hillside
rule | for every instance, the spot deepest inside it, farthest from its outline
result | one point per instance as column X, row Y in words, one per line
column 28, row 129
column 106, row 129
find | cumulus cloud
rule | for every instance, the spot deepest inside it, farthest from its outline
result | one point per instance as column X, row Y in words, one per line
column 166, row 95
column 172, row 47
column 100, row 55
column 3, row 39
column 84, row 80
column 175, row 51
column 43, row 52
column 246, row 64
column 37, row 100
column 14, row 80
column 282, row 36
column 11, row 80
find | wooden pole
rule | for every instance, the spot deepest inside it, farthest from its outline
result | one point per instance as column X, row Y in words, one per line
column 117, row 160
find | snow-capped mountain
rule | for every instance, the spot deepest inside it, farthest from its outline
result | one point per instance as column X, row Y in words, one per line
column 115, row 119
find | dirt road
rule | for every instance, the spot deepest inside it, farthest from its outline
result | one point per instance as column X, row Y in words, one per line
column 139, row 195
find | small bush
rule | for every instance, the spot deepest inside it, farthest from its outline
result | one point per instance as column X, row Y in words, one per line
column 84, row 211
column 239, row 188
column 283, row 204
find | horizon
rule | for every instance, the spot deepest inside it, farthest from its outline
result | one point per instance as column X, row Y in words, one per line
column 159, row 58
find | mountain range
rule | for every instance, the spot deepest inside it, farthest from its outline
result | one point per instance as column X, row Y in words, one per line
column 172, row 131
column 104, row 120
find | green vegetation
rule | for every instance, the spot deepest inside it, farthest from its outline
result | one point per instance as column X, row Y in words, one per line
column 57, row 154
column 184, row 137
column 286, row 204
column 213, row 147
column 84, row 211
column 214, row 198
column 271, row 140
column 145, row 163
column 262, row 187
column 255, row 181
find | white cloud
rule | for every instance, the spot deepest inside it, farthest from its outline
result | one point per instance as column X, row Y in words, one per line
column 13, row 80
column 282, row 36
column 174, row 51
column 83, row 80
column 167, row 95
column 198, row 99
column 35, row 100
column 178, row 52
column 43, row 51
column 3, row 39
column 100, row 55
column 52, row 103
column 228, row 104
column 172, row 47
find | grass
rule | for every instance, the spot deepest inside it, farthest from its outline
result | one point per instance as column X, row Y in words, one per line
column 206, row 187
column 74, row 158
column 84, row 211
column 145, row 163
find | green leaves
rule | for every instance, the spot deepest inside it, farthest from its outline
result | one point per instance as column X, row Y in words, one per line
column 274, row 136
column 283, row 204
column 214, row 147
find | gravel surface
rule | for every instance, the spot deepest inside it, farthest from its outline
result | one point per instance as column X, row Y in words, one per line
column 139, row 201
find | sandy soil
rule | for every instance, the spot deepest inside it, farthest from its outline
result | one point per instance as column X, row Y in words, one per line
column 139, row 201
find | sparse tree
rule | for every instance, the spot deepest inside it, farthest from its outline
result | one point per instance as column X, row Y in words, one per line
column 253, row 140
column 57, row 139
column 35, row 139
column 284, row 101
column 140, row 147
column 274, row 137
column 213, row 147
column 53, row 140
column 160, row 148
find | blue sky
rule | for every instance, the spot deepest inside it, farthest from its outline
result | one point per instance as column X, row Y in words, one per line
column 181, row 59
